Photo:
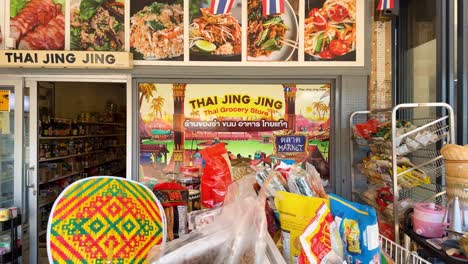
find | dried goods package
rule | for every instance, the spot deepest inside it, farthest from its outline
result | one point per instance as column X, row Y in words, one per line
column 237, row 235
column 359, row 230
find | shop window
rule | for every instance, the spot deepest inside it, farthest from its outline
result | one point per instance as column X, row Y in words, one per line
column 176, row 121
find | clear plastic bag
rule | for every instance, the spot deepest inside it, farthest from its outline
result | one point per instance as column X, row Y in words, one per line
column 237, row 235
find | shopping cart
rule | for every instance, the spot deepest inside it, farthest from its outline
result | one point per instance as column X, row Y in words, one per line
column 399, row 254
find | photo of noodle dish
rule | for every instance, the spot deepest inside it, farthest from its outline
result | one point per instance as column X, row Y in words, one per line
column 272, row 37
column 157, row 30
column 215, row 36
column 330, row 30
column 97, row 25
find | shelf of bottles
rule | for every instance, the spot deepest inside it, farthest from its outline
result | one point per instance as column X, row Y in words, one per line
column 70, row 150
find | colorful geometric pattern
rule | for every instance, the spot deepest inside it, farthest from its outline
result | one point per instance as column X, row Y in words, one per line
column 104, row 220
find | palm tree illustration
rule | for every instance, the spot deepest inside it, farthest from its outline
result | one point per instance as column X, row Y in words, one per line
column 146, row 92
column 157, row 105
column 195, row 114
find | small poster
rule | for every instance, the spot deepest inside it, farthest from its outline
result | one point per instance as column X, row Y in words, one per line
column 290, row 144
column 157, row 30
column 97, row 25
column 4, row 100
column 215, row 32
column 38, row 24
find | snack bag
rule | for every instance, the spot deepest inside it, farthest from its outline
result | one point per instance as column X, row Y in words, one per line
column 365, row 130
column 216, row 175
column 321, row 242
column 174, row 199
column 359, row 230
column 295, row 213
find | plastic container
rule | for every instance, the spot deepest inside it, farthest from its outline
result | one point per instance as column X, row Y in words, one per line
column 428, row 220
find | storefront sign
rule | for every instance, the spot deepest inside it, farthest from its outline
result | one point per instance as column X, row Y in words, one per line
column 65, row 59
column 291, row 144
column 4, row 100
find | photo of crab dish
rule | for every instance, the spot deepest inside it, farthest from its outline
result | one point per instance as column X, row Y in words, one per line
column 38, row 24
column 97, row 25
column 157, row 30
column 330, row 30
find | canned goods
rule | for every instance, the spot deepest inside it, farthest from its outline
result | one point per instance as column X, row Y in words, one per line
column 194, row 200
column 4, row 214
column 190, row 183
column 13, row 212
column 5, row 242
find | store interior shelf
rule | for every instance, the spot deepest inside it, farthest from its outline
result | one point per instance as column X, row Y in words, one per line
column 6, row 198
column 42, row 232
column 102, row 123
column 6, row 225
column 7, row 159
column 71, row 156
column 104, row 162
column 78, row 137
column 61, row 177
column 46, row 202
column 7, row 258
column 4, row 180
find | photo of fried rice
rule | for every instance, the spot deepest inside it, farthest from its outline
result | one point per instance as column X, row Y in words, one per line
column 330, row 30
column 157, row 31
column 97, row 25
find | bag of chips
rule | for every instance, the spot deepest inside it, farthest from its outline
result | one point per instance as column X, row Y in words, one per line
column 359, row 230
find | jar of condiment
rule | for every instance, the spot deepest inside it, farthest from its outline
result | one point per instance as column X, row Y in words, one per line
column 193, row 200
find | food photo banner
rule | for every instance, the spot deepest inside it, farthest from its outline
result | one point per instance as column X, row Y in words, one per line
column 193, row 32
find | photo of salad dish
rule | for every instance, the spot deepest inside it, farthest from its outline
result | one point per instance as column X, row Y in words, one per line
column 214, row 37
column 330, row 30
column 157, row 31
column 269, row 34
column 38, row 24
column 97, row 25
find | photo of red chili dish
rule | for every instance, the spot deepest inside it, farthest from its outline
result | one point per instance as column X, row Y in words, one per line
column 330, row 29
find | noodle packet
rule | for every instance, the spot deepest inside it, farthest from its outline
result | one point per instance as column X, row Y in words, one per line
column 359, row 230
column 295, row 213
column 321, row 242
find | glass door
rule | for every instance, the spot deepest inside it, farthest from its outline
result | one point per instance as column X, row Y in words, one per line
column 13, row 194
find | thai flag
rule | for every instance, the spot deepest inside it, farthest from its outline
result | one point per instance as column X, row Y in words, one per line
column 385, row 4
column 273, row 7
column 221, row 6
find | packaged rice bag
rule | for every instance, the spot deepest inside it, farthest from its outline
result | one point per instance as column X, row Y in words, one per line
column 321, row 242
column 295, row 213
column 359, row 230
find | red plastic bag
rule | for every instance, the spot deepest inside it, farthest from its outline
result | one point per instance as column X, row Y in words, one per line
column 216, row 176
column 365, row 130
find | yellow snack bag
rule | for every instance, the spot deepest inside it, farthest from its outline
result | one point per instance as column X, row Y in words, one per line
column 295, row 213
